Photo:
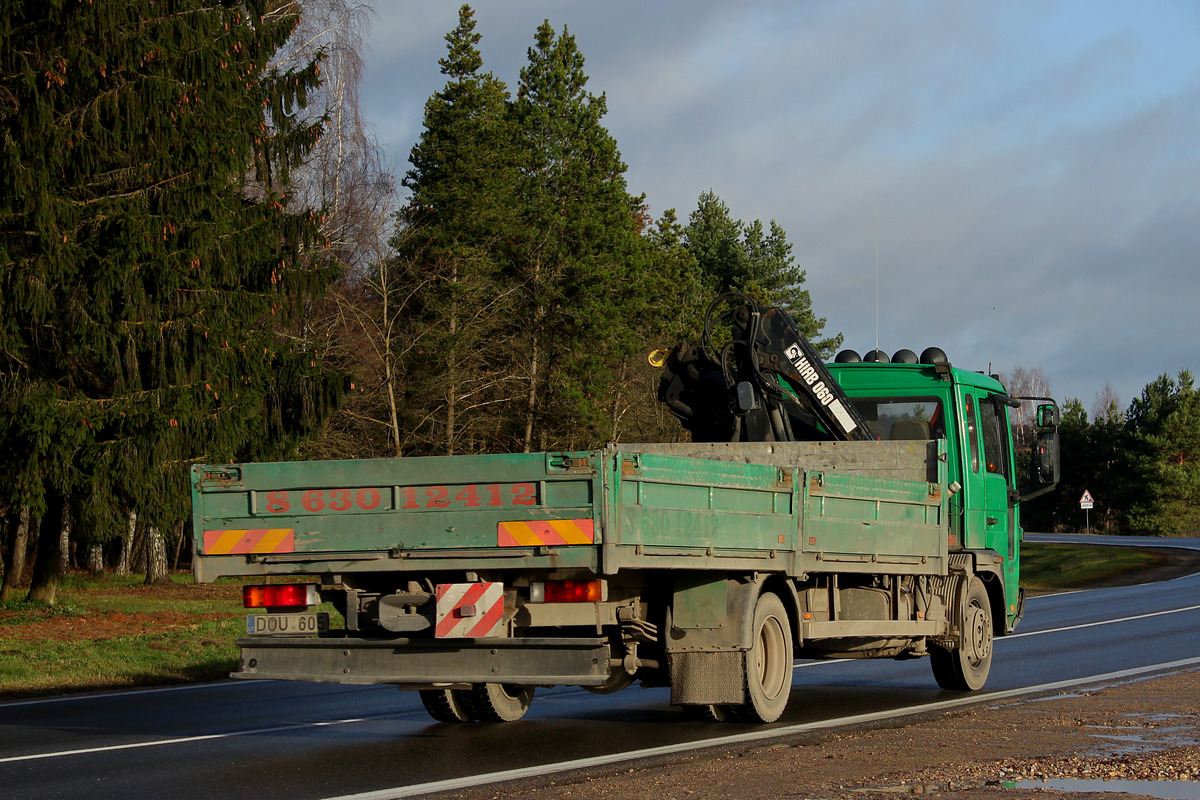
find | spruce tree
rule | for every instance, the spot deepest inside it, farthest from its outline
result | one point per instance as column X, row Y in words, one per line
column 148, row 262
column 715, row 238
column 453, row 245
column 749, row 258
column 580, row 267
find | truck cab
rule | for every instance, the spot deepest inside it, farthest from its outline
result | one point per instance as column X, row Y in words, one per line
column 971, row 412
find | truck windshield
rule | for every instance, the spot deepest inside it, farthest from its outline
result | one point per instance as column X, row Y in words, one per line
column 893, row 418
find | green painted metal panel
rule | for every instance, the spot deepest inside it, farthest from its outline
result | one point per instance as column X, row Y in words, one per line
column 858, row 515
column 393, row 504
column 699, row 601
column 700, row 504
column 425, row 513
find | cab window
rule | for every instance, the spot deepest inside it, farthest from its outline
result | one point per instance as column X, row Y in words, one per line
column 972, row 428
column 994, row 452
column 899, row 418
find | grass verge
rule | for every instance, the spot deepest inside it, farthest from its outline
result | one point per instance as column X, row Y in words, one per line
column 1059, row 567
column 109, row 632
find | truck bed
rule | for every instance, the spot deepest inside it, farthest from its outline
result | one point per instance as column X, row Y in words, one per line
column 772, row 507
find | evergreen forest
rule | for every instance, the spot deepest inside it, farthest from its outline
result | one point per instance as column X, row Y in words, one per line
column 204, row 258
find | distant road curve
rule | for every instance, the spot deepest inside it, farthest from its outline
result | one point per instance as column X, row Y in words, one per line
column 1114, row 541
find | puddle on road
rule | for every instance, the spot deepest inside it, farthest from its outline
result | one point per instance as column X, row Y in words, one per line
column 1175, row 735
column 1170, row 790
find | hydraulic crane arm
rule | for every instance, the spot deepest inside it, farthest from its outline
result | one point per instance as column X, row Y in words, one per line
column 767, row 383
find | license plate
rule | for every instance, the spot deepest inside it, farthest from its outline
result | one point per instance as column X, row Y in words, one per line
column 286, row 624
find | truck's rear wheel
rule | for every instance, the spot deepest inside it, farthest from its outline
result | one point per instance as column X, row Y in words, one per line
column 499, row 702
column 966, row 668
column 447, row 705
column 768, row 663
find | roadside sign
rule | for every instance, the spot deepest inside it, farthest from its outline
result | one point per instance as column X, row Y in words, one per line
column 1086, row 501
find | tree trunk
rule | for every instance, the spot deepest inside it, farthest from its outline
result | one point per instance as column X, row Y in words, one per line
column 393, row 414
column 126, row 544
column 179, row 538
column 95, row 560
column 44, row 587
column 531, row 398
column 389, row 366
column 452, row 369
column 137, row 550
column 156, row 557
column 64, row 543
column 14, row 560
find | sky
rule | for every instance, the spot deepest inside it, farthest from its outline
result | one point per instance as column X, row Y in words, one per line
column 1017, row 183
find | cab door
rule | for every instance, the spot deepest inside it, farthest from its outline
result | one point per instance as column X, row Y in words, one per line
column 999, row 490
column 972, row 505
column 1000, row 498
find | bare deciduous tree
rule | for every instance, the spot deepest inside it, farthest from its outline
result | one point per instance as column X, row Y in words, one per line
column 359, row 324
column 1107, row 405
column 1022, row 382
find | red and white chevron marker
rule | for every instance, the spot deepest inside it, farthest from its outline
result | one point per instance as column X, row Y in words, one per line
column 469, row 610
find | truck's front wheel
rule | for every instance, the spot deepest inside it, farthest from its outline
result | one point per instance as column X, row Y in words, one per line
column 768, row 662
column 966, row 668
column 499, row 702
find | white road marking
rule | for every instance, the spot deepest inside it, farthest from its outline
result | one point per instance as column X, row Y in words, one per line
column 1101, row 622
column 799, row 664
column 177, row 740
column 752, row 736
column 123, row 693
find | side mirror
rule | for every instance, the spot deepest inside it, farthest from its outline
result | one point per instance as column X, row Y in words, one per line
column 1047, row 454
column 1047, row 450
column 1048, row 416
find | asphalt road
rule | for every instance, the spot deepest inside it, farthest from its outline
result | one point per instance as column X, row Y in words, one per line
column 293, row 741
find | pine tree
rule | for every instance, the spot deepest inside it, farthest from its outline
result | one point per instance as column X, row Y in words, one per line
column 580, row 266
column 452, row 243
column 1165, row 448
column 749, row 258
column 148, row 263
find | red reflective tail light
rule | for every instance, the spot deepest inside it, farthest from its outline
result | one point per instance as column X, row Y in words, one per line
column 281, row 595
column 568, row 592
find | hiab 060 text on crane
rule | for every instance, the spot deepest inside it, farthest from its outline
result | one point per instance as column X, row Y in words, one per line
column 849, row 510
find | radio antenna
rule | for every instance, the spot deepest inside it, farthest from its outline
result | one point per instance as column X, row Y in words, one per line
column 877, row 278
column 991, row 338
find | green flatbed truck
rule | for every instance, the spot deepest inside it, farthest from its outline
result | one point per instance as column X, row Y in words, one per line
column 707, row 567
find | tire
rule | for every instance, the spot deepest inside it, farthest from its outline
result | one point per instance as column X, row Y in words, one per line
column 966, row 668
column 499, row 702
column 768, row 663
column 709, row 713
column 447, row 705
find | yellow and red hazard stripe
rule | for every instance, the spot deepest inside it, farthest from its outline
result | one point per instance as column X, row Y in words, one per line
column 546, row 532
column 249, row 540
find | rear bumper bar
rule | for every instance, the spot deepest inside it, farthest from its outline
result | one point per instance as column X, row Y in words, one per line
column 417, row 663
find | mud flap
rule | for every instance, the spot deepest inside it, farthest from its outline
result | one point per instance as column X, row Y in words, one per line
column 708, row 678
